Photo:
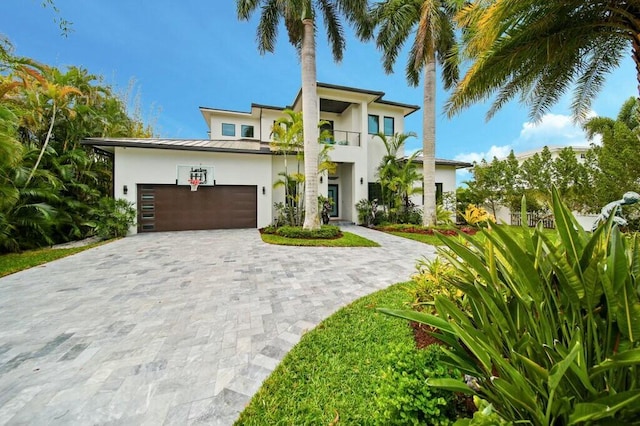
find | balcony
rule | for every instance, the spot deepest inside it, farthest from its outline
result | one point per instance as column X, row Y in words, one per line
column 342, row 137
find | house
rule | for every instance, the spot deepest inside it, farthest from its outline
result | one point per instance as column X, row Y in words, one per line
column 237, row 168
column 504, row 214
column 580, row 151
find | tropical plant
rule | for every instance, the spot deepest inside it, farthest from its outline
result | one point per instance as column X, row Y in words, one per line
column 299, row 18
column 618, row 157
column 367, row 211
column 537, row 50
column 430, row 22
column 403, row 399
column 114, row 217
column 477, row 216
column 49, row 183
column 390, row 164
column 443, row 216
column 287, row 135
column 553, row 332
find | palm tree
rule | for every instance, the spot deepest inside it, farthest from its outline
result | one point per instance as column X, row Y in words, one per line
column 390, row 164
column 299, row 19
column 537, row 50
column 430, row 23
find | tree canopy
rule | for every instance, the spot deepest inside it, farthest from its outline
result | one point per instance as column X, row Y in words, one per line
column 51, row 185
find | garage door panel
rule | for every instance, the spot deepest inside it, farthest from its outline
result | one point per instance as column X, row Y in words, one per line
column 176, row 208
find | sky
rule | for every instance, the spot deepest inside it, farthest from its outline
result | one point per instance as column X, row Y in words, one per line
column 185, row 54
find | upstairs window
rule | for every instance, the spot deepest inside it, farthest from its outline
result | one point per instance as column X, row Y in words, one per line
column 228, row 129
column 374, row 124
column 389, row 126
column 246, row 131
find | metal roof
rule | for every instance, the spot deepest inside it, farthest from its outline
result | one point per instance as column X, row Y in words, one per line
column 248, row 146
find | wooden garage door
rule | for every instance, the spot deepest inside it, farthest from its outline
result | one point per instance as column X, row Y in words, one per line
column 177, row 208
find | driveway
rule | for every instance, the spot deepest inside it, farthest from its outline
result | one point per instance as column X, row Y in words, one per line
column 172, row 328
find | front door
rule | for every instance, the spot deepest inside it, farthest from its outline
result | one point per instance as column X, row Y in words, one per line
column 333, row 195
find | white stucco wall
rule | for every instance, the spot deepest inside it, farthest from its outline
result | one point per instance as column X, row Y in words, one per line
column 133, row 166
column 237, row 121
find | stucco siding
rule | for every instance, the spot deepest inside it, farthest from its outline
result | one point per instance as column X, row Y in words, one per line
column 135, row 166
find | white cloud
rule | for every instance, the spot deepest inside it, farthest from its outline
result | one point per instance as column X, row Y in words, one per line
column 552, row 130
column 494, row 151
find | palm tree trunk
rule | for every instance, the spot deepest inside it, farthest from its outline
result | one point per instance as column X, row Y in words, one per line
column 44, row 145
column 310, row 117
column 636, row 58
column 429, row 143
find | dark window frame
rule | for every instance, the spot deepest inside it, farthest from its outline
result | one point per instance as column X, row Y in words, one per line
column 393, row 125
column 377, row 121
column 244, row 127
column 228, row 126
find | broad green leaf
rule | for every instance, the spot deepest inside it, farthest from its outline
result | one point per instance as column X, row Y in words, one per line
column 471, row 258
column 564, row 270
column 568, row 229
column 605, row 407
column 518, row 397
column 621, row 360
column 420, row 317
column 558, row 370
column 451, row 385
column 540, row 372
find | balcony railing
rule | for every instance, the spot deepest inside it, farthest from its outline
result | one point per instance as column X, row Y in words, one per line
column 343, row 137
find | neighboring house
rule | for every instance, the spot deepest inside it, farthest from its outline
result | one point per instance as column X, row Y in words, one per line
column 238, row 168
column 581, row 152
column 504, row 214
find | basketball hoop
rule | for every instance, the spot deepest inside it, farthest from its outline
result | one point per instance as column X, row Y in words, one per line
column 194, row 183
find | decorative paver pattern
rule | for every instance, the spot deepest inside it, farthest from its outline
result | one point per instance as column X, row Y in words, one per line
column 172, row 328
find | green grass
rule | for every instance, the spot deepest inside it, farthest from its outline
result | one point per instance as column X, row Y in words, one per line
column 334, row 369
column 347, row 240
column 14, row 262
column 427, row 239
column 435, row 241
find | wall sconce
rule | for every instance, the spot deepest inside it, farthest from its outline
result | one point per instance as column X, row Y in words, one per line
column 264, row 190
column 320, row 179
column 125, row 190
column 361, row 181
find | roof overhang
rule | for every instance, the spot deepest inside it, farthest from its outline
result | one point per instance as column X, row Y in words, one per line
column 233, row 146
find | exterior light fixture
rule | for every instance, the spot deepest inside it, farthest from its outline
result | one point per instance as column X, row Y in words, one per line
column 320, row 179
column 264, row 190
column 125, row 190
column 361, row 181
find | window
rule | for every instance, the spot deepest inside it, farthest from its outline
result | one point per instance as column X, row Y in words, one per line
column 228, row 129
column 389, row 128
column 439, row 193
column 374, row 124
column 246, row 131
column 375, row 192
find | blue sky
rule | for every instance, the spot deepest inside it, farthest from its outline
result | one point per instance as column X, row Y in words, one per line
column 193, row 53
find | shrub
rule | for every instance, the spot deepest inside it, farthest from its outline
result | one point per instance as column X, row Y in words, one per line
column 477, row 216
column 114, row 217
column 552, row 336
column 269, row 229
column 433, row 279
column 367, row 211
column 402, row 397
column 325, row 232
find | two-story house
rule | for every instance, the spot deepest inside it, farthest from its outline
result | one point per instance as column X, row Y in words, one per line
column 238, row 169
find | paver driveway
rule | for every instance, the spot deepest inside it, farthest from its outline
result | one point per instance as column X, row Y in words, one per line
column 172, row 328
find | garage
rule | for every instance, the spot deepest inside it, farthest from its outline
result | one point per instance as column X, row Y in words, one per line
column 177, row 208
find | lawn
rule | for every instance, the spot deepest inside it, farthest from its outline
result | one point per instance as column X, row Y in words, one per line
column 347, row 240
column 434, row 240
column 14, row 262
column 333, row 371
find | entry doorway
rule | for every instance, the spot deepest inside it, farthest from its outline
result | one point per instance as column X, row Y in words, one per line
column 333, row 195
